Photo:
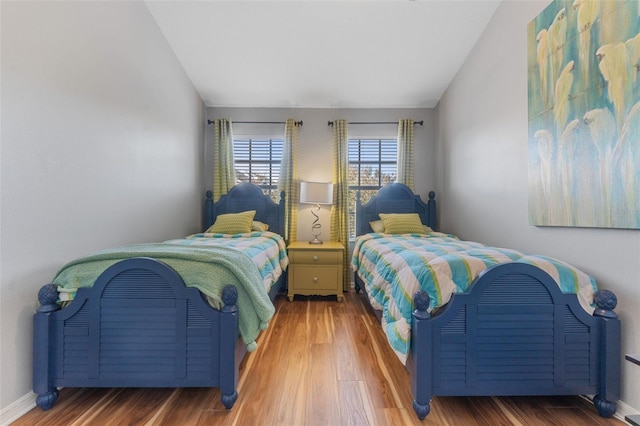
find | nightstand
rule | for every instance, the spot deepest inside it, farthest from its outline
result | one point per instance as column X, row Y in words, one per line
column 315, row 269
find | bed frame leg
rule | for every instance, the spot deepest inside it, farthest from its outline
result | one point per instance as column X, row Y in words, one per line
column 46, row 400
column 422, row 410
column 47, row 394
column 229, row 325
column 229, row 399
column 610, row 353
column 605, row 408
column 419, row 360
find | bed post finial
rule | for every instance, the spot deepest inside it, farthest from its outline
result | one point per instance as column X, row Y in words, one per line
column 421, row 303
column 47, row 296
column 229, row 295
column 606, row 301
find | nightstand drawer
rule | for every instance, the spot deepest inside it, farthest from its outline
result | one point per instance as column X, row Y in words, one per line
column 315, row 277
column 312, row 257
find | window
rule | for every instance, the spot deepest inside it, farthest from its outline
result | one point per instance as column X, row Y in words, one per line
column 257, row 160
column 372, row 164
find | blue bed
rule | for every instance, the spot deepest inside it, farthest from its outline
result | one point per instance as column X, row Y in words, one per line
column 140, row 326
column 511, row 332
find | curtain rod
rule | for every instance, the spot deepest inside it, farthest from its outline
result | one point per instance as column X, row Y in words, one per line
column 297, row 123
column 421, row 122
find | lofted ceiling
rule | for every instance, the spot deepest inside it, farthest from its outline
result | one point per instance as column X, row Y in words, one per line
column 322, row 54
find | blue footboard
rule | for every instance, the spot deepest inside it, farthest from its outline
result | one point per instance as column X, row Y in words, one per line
column 138, row 326
column 515, row 333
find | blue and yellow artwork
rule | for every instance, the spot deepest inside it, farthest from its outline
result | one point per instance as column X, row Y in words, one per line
column 584, row 114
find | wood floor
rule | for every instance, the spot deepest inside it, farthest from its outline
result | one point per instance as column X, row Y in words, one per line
column 320, row 362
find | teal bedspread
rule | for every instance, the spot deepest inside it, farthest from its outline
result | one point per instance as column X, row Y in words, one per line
column 395, row 267
column 208, row 263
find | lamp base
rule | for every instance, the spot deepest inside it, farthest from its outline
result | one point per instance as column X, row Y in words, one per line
column 315, row 241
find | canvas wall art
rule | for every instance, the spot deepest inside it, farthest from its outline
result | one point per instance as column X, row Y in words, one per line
column 584, row 114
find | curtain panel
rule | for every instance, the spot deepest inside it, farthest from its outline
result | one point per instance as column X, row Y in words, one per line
column 340, row 208
column 288, row 180
column 405, row 152
column 223, row 163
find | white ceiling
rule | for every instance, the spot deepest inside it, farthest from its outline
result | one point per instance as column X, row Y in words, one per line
column 322, row 54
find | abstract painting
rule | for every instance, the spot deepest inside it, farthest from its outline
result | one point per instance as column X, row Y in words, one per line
column 584, row 114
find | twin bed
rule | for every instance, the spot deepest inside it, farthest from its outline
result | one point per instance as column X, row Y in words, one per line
column 470, row 320
column 498, row 322
column 182, row 313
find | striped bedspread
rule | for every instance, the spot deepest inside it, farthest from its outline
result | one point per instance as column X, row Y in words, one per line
column 267, row 250
column 395, row 267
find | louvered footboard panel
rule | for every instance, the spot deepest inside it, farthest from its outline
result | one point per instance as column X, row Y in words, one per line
column 512, row 341
column 202, row 354
column 73, row 354
column 141, row 339
column 137, row 333
column 581, row 350
column 525, row 336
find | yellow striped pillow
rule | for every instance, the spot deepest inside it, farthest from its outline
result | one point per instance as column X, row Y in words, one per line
column 377, row 226
column 233, row 223
column 259, row 226
column 402, row 223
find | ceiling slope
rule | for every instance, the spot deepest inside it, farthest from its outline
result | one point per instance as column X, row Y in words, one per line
column 322, row 54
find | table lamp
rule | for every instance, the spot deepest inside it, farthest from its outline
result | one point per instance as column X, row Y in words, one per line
column 316, row 193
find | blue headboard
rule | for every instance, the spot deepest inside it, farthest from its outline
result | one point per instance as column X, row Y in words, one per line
column 395, row 198
column 243, row 197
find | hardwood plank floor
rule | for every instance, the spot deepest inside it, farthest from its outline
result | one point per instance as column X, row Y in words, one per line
column 320, row 362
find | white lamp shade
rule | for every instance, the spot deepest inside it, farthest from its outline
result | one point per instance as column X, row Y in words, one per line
column 316, row 193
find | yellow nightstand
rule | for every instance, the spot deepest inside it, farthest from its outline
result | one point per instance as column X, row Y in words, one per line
column 315, row 269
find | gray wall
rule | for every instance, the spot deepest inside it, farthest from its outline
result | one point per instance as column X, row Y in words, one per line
column 482, row 174
column 101, row 145
column 315, row 144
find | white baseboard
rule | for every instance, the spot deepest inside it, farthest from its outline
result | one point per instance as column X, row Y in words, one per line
column 17, row 409
column 624, row 410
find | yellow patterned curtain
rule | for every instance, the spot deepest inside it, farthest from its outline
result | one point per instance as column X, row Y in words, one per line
column 340, row 207
column 223, row 172
column 405, row 152
column 288, row 180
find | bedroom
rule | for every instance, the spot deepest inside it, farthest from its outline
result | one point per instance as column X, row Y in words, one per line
column 143, row 164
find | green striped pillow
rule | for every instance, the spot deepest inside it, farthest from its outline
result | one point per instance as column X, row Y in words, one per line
column 402, row 223
column 233, row 223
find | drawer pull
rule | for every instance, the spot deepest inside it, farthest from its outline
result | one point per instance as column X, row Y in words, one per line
column 315, row 279
column 315, row 258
